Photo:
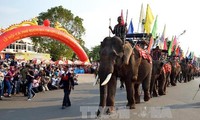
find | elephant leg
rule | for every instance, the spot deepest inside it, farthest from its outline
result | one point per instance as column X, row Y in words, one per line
column 146, row 88
column 110, row 103
column 103, row 96
column 163, row 84
column 180, row 79
column 172, row 80
column 152, row 86
column 168, row 79
column 130, row 94
column 155, row 89
column 185, row 78
column 137, row 93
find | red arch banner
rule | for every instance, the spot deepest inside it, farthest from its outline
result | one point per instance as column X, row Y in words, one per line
column 35, row 30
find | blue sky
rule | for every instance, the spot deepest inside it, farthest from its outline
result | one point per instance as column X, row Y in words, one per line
column 178, row 15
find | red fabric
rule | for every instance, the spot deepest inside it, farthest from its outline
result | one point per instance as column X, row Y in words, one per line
column 174, row 44
column 167, row 68
column 165, row 44
column 177, row 51
column 177, row 64
column 65, row 77
column 144, row 54
column 150, row 44
column 189, row 65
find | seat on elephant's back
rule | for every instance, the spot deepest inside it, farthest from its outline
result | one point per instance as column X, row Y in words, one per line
column 141, row 39
column 144, row 54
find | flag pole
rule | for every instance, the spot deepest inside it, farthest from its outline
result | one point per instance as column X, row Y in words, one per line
column 109, row 25
column 126, row 15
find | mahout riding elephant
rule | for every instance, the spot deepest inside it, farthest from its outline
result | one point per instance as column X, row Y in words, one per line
column 118, row 59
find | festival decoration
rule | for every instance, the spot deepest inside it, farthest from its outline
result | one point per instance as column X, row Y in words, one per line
column 46, row 23
column 31, row 28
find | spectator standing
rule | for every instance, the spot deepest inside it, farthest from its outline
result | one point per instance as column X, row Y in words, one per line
column 30, row 78
column 1, row 84
column 23, row 73
column 68, row 84
column 8, row 80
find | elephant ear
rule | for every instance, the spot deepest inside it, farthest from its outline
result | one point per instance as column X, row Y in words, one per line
column 128, row 50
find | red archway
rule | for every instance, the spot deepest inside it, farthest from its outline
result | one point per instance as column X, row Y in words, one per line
column 36, row 30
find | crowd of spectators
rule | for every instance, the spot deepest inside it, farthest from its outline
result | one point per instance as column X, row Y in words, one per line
column 15, row 77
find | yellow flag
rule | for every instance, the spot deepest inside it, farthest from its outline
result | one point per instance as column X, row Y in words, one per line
column 149, row 19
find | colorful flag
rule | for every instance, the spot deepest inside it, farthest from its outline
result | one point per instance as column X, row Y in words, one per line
column 154, row 30
column 122, row 21
column 194, row 58
column 174, row 44
column 150, row 44
column 190, row 56
column 149, row 19
column 156, row 41
column 162, row 39
column 177, row 52
column 170, row 46
column 130, row 28
column 141, row 14
column 165, row 44
column 187, row 52
column 141, row 19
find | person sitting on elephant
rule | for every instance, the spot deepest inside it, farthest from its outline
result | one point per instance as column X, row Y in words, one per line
column 120, row 29
column 156, row 53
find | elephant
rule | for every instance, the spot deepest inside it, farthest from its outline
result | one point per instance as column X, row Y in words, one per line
column 185, row 68
column 118, row 59
column 160, row 77
column 175, row 73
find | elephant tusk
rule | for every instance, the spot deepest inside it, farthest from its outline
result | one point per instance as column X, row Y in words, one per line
column 96, row 79
column 107, row 79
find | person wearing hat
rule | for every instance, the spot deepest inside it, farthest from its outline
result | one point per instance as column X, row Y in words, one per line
column 120, row 29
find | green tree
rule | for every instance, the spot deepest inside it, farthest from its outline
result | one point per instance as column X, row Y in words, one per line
column 74, row 25
column 94, row 53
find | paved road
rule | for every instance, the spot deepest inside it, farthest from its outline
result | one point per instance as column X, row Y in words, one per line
column 176, row 105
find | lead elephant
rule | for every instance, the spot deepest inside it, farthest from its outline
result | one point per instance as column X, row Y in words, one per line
column 121, row 60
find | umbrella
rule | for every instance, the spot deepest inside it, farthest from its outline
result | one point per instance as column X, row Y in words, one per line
column 78, row 62
column 36, row 61
column 87, row 63
column 60, row 62
column 46, row 61
column 69, row 62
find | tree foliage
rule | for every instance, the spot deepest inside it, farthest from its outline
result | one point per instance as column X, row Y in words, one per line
column 94, row 54
column 74, row 25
